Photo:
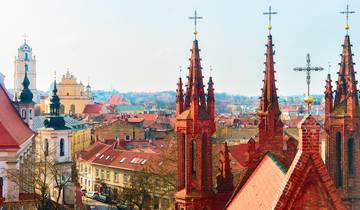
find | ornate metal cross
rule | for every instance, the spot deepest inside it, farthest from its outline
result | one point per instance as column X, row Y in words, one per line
column 308, row 69
column 347, row 12
column 195, row 18
column 269, row 13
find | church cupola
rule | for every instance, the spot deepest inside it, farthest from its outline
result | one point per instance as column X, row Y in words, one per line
column 26, row 96
column 25, row 104
column 54, row 102
column 55, row 120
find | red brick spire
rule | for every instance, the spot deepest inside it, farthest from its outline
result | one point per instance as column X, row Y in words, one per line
column 194, row 127
column 211, row 99
column 179, row 98
column 328, row 99
column 195, row 86
column 346, row 90
column 270, row 124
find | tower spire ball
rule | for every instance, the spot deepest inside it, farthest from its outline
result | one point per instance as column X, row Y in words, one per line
column 195, row 18
column 269, row 13
column 347, row 12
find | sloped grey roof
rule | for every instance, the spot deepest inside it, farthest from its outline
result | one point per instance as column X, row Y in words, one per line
column 70, row 122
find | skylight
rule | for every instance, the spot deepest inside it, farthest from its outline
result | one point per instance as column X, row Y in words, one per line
column 101, row 156
column 122, row 160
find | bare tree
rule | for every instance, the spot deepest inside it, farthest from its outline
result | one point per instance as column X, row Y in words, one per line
column 157, row 178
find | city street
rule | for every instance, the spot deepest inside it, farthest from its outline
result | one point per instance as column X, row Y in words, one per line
column 101, row 206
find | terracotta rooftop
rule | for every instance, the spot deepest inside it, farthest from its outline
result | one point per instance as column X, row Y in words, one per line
column 13, row 129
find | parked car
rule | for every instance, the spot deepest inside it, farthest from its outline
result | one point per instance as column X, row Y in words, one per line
column 92, row 195
column 103, row 198
column 122, row 206
column 83, row 192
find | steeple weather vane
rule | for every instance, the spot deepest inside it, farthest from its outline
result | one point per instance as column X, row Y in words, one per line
column 195, row 18
column 347, row 12
column 269, row 13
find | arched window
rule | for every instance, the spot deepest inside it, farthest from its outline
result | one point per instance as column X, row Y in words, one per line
column 193, row 157
column 26, row 57
column 350, row 156
column 62, row 147
column 338, row 160
column 23, row 114
column 46, row 147
column 30, row 114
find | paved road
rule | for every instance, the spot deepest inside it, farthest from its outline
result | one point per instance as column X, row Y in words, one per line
column 101, row 206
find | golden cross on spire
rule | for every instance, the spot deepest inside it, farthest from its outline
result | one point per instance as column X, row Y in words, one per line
column 269, row 13
column 347, row 12
column 195, row 18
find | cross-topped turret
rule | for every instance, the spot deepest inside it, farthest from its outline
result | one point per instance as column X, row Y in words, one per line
column 269, row 13
column 195, row 18
column 347, row 12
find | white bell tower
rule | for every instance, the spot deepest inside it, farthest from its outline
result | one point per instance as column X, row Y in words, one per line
column 25, row 57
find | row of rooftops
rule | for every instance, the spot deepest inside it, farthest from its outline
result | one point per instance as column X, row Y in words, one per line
column 131, row 156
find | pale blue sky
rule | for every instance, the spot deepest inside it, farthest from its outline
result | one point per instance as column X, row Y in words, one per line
column 134, row 45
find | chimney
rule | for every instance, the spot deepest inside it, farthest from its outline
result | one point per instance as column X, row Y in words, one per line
column 309, row 135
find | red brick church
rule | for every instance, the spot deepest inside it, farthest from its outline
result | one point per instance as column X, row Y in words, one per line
column 283, row 173
column 342, row 120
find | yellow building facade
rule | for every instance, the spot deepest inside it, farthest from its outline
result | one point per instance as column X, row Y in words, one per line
column 74, row 96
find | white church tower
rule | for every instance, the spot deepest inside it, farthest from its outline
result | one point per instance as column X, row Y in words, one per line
column 25, row 57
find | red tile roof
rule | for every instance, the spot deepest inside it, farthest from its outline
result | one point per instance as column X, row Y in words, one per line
column 96, row 109
column 261, row 189
column 135, row 119
column 270, row 185
column 136, row 158
column 117, row 100
column 13, row 130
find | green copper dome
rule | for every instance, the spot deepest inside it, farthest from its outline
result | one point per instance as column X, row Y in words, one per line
column 26, row 96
